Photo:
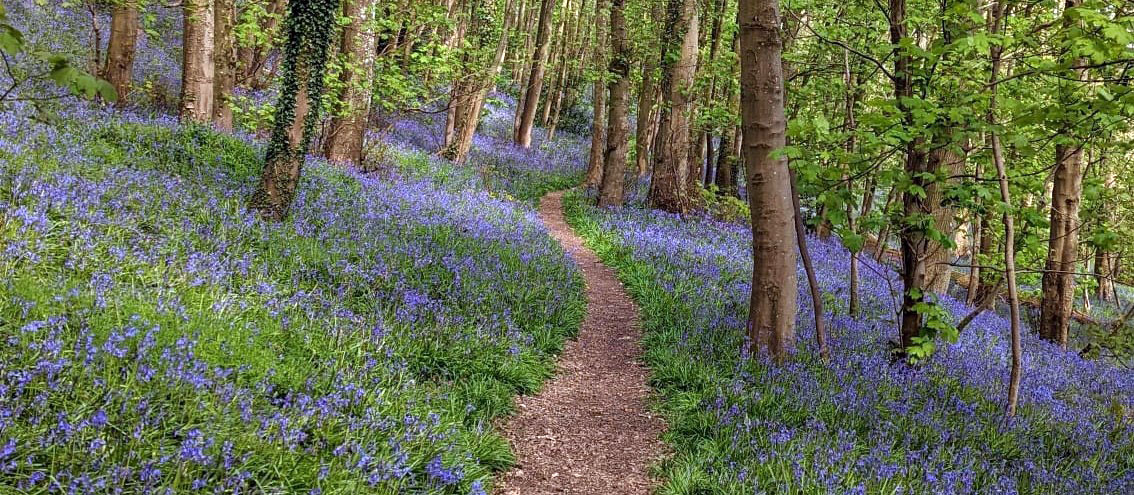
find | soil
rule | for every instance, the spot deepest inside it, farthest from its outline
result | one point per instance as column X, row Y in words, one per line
column 589, row 430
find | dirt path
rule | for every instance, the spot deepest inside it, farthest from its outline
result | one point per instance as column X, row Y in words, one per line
column 589, row 430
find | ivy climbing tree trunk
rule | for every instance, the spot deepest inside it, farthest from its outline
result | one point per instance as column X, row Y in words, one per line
column 309, row 28
column 618, row 130
column 772, row 307
column 197, row 62
column 668, row 188
column 347, row 129
column 120, row 50
column 523, row 136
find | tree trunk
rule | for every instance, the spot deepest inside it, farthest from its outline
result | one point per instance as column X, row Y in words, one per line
column 938, row 272
column 304, row 62
column 809, row 269
column 851, row 123
column 598, row 127
column 197, row 69
column 1063, row 246
column 646, row 96
column 468, row 124
column 1063, row 243
column 347, row 129
column 772, row 307
column 1105, row 261
column 726, row 168
column 668, row 188
column 119, row 69
column 914, row 241
column 618, row 133
column 524, row 76
column 523, row 136
column 225, row 54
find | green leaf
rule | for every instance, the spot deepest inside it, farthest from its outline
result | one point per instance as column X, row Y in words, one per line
column 106, row 91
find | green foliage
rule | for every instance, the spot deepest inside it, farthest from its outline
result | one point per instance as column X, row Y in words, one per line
column 724, row 206
column 937, row 324
column 59, row 68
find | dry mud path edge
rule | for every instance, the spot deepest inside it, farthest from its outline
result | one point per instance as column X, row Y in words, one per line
column 589, row 430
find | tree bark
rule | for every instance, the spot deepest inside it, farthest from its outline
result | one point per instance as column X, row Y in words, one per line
column 1063, row 243
column 197, row 66
column 1063, row 246
column 523, row 136
column 938, row 272
column 772, row 305
column 1105, row 261
column 598, row 127
column 346, row 133
column 120, row 50
column 914, row 241
column 468, row 124
column 668, row 188
column 646, row 96
column 618, row 130
column 225, row 57
column 726, row 168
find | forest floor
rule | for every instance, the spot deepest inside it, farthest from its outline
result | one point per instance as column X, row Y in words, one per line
column 589, row 430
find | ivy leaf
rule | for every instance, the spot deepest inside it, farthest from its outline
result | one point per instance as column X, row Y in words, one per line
column 11, row 40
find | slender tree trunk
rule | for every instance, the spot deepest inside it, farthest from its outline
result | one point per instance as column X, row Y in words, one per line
column 809, row 269
column 1105, row 261
column 668, row 187
column 558, row 54
column 726, row 169
column 1010, row 274
column 524, row 79
column 225, row 56
column 119, row 70
column 618, row 131
column 467, row 129
column 772, row 308
column 345, row 137
column 973, row 284
column 523, row 136
column 851, row 124
column 914, row 241
column 598, row 127
column 197, row 69
column 884, row 234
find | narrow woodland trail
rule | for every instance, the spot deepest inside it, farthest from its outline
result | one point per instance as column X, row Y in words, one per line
column 589, row 430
